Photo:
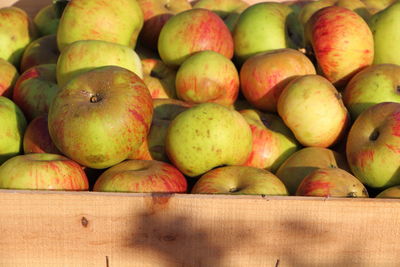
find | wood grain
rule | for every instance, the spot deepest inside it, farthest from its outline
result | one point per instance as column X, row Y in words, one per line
column 90, row 229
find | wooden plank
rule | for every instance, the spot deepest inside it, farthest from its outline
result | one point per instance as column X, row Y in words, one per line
column 92, row 229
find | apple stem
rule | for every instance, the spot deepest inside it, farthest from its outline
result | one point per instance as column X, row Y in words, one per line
column 95, row 98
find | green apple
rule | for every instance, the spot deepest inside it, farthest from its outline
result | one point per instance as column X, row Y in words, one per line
column 341, row 41
column 374, row 6
column 82, row 56
column 117, row 21
column 273, row 142
column 192, row 31
column 206, row 136
column 42, row 171
column 207, row 76
column 263, row 76
column 156, row 13
column 331, row 182
column 47, row 20
column 239, row 180
column 303, row 162
column 375, row 84
column 260, row 28
column 159, row 78
column 16, row 32
column 357, row 6
column 101, row 117
column 8, row 78
column 37, row 138
column 41, row 51
column 147, row 176
column 391, row 192
column 13, row 124
column 313, row 109
column 385, row 28
column 373, row 145
column 313, row 6
column 35, row 90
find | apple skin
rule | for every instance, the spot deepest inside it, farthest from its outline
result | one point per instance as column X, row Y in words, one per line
column 373, row 85
column 101, row 117
column 330, row 182
column 41, row 51
column 192, row 31
column 391, row 192
column 35, row 90
column 273, row 142
column 47, row 20
column 13, row 125
column 385, row 28
column 207, row 76
column 16, row 32
column 142, row 176
column 8, row 78
column 202, row 137
column 263, row 76
column 84, row 20
column 159, row 78
column 313, row 110
column 42, row 171
column 341, row 41
column 303, row 162
column 82, row 56
column 310, row 8
column 37, row 138
column 155, row 14
column 260, row 28
column 239, row 180
column 373, row 146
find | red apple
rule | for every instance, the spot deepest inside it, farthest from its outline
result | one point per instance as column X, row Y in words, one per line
column 35, row 90
column 142, row 176
column 37, row 138
column 43, row 172
column 331, row 182
column 192, row 31
column 101, row 117
column 239, row 180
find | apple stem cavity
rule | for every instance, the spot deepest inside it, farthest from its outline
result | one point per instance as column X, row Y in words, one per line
column 95, row 98
column 374, row 136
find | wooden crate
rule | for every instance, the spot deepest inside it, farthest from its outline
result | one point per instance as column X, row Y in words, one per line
column 75, row 229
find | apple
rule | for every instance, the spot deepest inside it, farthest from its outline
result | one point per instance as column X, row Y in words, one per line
column 13, row 125
column 47, row 20
column 239, row 180
column 147, row 176
column 8, row 77
column 263, row 76
column 117, row 21
column 192, row 31
column 207, row 76
column 384, row 26
column 37, row 138
column 156, row 13
column 313, row 6
column 391, row 192
column 159, row 78
column 341, row 41
column 374, row 6
column 375, row 84
column 206, row 136
column 313, row 110
column 373, row 145
column 303, row 162
column 260, row 28
column 41, row 51
column 42, row 171
column 16, row 32
column 82, row 56
column 101, row 117
column 357, row 6
column 35, row 90
column 331, row 182
column 273, row 142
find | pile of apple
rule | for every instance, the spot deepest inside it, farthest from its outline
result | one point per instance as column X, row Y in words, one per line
column 213, row 96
